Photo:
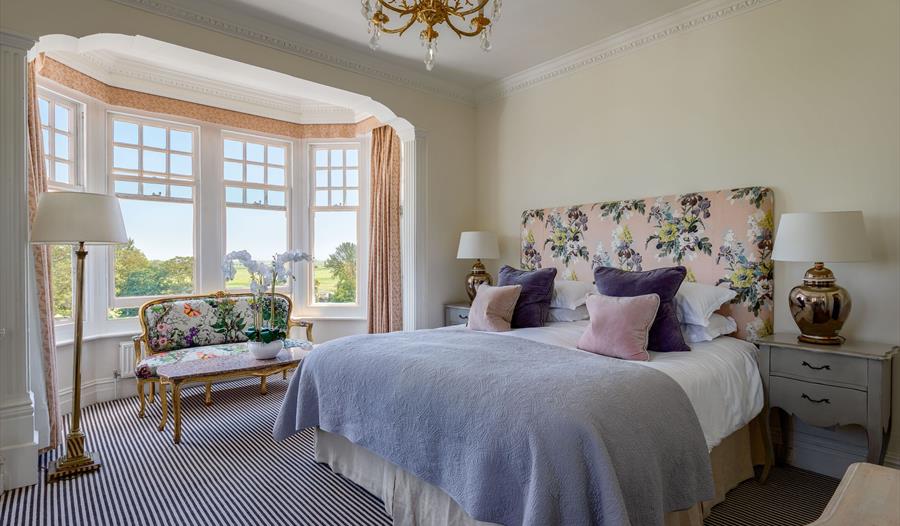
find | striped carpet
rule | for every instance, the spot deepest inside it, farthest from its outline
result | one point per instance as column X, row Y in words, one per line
column 228, row 471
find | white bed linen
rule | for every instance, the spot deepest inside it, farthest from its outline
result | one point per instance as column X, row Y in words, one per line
column 721, row 377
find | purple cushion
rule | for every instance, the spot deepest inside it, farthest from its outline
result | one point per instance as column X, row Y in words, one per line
column 665, row 334
column 533, row 306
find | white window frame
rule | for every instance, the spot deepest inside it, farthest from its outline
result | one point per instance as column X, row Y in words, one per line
column 306, row 290
column 114, row 301
column 266, row 140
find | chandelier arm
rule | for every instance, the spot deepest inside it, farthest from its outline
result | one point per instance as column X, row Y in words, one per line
column 461, row 33
column 468, row 12
column 400, row 30
column 390, row 7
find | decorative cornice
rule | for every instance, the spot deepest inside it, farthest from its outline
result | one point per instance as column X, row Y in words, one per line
column 16, row 40
column 699, row 14
column 296, row 43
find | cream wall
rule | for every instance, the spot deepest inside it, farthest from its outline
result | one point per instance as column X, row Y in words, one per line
column 801, row 95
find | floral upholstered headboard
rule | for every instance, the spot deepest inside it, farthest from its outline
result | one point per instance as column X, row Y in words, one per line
column 724, row 238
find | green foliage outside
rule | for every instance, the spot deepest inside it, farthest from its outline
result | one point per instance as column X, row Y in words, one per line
column 340, row 286
column 61, row 272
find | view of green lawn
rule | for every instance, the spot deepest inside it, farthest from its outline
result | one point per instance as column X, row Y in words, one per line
column 327, row 282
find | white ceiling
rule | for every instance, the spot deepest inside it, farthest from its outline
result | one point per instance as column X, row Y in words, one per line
column 529, row 33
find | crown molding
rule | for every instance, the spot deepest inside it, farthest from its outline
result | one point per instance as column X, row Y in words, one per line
column 137, row 75
column 209, row 16
column 16, row 40
column 694, row 16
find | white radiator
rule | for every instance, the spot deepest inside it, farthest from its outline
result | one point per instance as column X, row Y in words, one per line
column 126, row 360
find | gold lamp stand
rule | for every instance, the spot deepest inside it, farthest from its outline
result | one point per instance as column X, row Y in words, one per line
column 76, row 460
column 475, row 278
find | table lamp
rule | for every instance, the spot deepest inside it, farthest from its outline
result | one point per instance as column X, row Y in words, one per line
column 77, row 218
column 477, row 246
column 819, row 306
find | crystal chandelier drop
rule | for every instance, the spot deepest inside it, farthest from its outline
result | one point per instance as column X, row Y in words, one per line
column 431, row 13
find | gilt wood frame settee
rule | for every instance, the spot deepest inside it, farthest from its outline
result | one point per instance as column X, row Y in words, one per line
column 175, row 329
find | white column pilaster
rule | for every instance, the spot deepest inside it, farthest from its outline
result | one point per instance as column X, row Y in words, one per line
column 18, row 437
column 413, row 232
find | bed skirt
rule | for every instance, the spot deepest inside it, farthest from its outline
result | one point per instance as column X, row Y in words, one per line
column 414, row 502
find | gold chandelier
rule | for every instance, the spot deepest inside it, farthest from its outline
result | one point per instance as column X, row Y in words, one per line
column 431, row 13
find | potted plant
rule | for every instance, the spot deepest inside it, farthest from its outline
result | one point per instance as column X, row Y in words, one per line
column 265, row 338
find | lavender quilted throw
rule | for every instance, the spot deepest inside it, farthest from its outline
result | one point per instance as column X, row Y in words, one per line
column 516, row 432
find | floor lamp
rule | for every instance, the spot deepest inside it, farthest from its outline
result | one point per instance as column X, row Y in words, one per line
column 77, row 218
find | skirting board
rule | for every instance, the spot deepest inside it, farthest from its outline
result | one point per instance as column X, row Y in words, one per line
column 98, row 390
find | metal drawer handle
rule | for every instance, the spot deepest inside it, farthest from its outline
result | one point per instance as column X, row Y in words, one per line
column 464, row 317
column 806, row 396
column 814, row 368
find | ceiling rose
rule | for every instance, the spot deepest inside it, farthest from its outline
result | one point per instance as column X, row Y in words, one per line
column 430, row 13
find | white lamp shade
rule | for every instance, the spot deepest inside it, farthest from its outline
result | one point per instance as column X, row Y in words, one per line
column 478, row 245
column 821, row 236
column 74, row 217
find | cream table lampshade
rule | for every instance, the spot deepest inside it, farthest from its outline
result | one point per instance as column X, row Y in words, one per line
column 477, row 246
column 77, row 218
column 819, row 306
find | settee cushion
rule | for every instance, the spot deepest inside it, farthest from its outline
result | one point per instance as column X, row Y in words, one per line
column 146, row 368
column 183, row 324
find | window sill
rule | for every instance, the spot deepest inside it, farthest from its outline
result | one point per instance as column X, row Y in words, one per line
column 331, row 318
column 94, row 337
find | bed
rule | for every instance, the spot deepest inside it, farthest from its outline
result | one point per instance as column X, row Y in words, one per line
column 374, row 399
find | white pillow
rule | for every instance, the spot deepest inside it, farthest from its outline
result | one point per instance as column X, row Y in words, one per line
column 695, row 302
column 718, row 326
column 568, row 294
column 577, row 314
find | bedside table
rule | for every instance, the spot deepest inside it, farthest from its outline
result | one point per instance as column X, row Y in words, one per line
column 456, row 313
column 827, row 385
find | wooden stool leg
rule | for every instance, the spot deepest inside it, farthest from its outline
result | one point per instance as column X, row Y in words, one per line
column 141, row 398
column 208, row 399
column 284, row 374
column 164, row 406
column 263, row 385
column 152, row 391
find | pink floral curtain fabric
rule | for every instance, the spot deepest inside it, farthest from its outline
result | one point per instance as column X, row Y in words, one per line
column 724, row 238
column 37, row 184
column 385, row 308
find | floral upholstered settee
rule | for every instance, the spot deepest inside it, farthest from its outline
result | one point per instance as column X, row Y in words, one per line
column 186, row 328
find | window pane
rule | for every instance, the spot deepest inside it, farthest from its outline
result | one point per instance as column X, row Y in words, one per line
column 352, row 157
column 158, row 190
column 45, row 133
column 61, row 146
column 321, row 197
column 234, row 195
column 126, row 187
column 352, row 177
column 335, row 261
column 125, row 158
column 337, row 198
column 61, row 118
column 337, row 157
column 44, row 110
column 125, row 132
column 263, row 233
column 61, row 173
column 154, row 137
column 181, row 141
column 180, row 164
column 276, row 155
column 276, row 176
column 180, row 192
column 276, row 198
column 322, row 178
column 234, row 149
column 61, row 279
column 159, row 256
column 352, row 198
column 255, row 196
column 233, row 171
column 337, row 178
column 255, row 152
column 255, row 173
column 321, row 157
column 154, row 161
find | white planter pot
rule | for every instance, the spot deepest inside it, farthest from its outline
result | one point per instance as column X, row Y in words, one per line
column 265, row 351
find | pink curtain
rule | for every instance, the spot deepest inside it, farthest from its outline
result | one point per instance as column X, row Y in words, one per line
column 385, row 308
column 37, row 184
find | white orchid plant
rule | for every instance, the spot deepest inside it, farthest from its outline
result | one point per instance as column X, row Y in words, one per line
column 263, row 278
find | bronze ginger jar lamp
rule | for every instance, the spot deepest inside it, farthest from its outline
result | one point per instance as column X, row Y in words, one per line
column 477, row 246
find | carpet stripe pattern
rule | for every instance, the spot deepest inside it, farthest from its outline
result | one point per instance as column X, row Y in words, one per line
column 227, row 470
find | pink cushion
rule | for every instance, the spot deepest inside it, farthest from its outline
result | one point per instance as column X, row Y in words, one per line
column 492, row 309
column 620, row 326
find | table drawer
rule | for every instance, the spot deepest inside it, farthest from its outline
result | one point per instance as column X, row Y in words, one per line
column 816, row 404
column 456, row 316
column 819, row 366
